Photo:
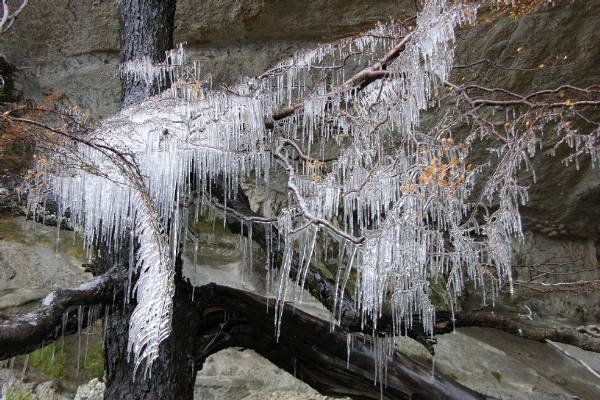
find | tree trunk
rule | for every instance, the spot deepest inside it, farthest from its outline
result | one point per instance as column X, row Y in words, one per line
column 146, row 33
column 172, row 375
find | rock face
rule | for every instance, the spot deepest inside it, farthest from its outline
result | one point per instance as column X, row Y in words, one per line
column 540, row 50
column 72, row 47
column 506, row 367
column 93, row 390
column 243, row 374
column 31, row 265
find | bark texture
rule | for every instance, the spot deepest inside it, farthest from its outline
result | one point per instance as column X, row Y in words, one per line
column 172, row 375
column 146, row 32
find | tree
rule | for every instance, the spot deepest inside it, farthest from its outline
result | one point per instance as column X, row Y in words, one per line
column 396, row 205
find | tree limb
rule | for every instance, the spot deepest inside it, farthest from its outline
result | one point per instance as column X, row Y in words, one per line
column 32, row 330
column 358, row 81
column 489, row 319
column 324, row 291
column 311, row 351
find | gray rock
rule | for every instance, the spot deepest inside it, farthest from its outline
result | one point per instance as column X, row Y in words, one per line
column 245, row 375
column 72, row 48
column 507, row 367
column 93, row 390
column 48, row 391
column 21, row 296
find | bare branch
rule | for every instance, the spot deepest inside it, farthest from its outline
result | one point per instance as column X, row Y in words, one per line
column 491, row 319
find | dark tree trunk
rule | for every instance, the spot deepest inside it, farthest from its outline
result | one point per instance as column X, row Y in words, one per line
column 172, row 375
column 146, row 32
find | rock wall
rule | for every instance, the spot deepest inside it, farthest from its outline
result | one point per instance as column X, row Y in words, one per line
column 71, row 47
column 541, row 49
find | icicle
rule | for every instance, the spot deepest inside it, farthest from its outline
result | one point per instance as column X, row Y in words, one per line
column 105, row 324
column 65, row 319
column 79, row 324
column 349, row 344
column 131, row 266
column 25, row 365
column 87, row 336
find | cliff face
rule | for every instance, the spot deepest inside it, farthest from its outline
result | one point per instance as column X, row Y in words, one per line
column 543, row 49
column 70, row 47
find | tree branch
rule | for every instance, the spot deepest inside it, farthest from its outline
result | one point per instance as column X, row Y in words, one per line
column 30, row 331
column 324, row 291
column 308, row 349
column 358, row 81
column 489, row 319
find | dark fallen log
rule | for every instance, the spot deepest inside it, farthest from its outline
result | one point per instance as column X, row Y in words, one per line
column 308, row 349
column 44, row 325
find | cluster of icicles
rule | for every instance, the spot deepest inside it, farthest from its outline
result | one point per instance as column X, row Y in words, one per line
column 398, row 196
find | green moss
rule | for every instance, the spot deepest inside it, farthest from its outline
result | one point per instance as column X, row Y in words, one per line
column 217, row 228
column 62, row 365
column 439, row 293
column 18, row 394
column 7, row 225
column 422, row 359
column 9, row 229
column 94, row 366
column 311, row 284
column 452, row 376
column 496, row 375
column 48, row 360
column 66, row 245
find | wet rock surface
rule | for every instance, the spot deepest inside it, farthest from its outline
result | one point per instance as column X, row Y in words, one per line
column 506, row 367
column 33, row 263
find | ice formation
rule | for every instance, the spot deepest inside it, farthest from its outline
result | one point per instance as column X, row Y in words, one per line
column 396, row 201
